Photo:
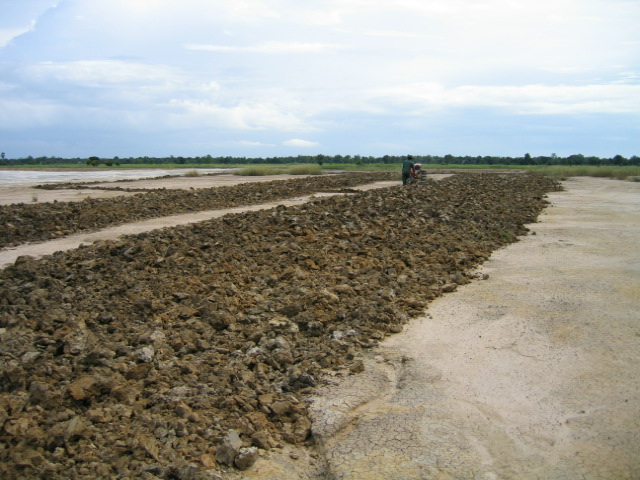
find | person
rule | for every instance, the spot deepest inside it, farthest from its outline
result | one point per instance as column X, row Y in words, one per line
column 407, row 166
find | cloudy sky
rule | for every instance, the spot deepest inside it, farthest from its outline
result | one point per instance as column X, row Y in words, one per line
column 286, row 77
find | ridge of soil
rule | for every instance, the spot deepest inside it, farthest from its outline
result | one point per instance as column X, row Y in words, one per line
column 138, row 358
column 21, row 223
column 100, row 184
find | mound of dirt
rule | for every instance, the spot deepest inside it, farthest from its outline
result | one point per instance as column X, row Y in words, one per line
column 181, row 353
column 21, row 223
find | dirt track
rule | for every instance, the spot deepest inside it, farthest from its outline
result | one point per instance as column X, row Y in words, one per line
column 533, row 373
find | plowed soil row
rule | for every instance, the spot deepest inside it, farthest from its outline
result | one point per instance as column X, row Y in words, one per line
column 21, row 223
column 137, row 358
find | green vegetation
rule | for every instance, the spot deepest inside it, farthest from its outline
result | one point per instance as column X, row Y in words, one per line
column 553, row 166
column 257, row 170
column 305, row 170
column 611, row 171
column 324, row 161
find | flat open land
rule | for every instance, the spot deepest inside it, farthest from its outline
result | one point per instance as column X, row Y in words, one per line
column 533, row 373
column 350, row 333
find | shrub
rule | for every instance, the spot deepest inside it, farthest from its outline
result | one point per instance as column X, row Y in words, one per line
column 257, row 170
column 305, row 169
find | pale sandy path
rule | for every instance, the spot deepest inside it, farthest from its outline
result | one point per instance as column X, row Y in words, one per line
column 531, row 374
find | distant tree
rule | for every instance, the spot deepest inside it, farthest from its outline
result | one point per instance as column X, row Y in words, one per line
column 619, row 160
column 320, row 159
column 576, row 159
column 527, row 159
column 2, row 155
column 93, row 161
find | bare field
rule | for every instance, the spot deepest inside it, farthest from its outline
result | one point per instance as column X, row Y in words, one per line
column 530, row 373
column 533, row 373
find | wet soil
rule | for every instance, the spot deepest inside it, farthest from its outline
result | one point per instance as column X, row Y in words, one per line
column 187, row 352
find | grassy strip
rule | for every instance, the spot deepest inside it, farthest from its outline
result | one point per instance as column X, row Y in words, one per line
column 562, row 172
column 299, row 169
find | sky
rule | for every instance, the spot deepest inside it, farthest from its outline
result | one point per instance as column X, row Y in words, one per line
column 265, row 78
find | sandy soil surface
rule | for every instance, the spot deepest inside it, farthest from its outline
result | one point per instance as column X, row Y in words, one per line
column 29, row 194
column 533, row 373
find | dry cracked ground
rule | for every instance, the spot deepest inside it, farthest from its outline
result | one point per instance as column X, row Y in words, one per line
column 189, row 352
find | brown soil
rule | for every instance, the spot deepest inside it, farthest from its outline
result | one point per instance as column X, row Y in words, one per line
column 34, row 222
column 183, row 353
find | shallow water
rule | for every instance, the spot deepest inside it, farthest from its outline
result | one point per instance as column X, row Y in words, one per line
column 37, row 177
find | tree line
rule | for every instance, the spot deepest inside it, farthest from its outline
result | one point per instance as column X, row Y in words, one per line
column 526, row 159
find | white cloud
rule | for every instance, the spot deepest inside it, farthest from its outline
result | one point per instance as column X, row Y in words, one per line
column 297, row 142
column 244, row 116
column 527, row 99
column 16, row 114
column 249, row 143
column 345, row 69
column 268, row 47
column 8, row 34
column 101, row 72
column 20, row 17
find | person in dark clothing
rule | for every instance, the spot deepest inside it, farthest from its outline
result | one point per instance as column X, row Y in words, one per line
column 407, row 166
